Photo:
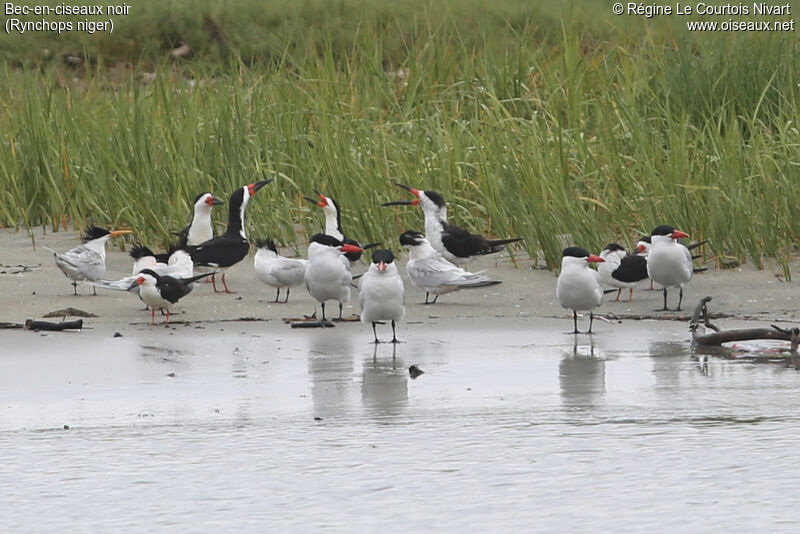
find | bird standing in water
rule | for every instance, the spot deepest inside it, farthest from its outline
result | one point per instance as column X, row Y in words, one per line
column 578, row 287
column 381, row 292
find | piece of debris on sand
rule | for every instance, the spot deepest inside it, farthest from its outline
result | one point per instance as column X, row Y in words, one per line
column 69, row 312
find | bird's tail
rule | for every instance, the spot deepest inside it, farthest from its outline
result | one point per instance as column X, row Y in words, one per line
column 475, row 280
column 497, row 244
column 196, row 277
column 697, row 245
column 123, row 284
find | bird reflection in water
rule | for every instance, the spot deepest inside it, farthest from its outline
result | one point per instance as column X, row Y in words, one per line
column 384, row 389
column 581, row 376
column 330, row 368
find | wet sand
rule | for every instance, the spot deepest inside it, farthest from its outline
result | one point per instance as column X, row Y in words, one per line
column 526, row 294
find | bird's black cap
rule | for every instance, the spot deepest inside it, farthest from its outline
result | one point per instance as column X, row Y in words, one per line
column 664, row 229
column 268, row 243
column 576, row 252
column 95, row 232
column 151, row 273
column 382, row 255
column 411, row 238
column 140, row 251
column 436, row 198
column 611, row 247
column 325, row 239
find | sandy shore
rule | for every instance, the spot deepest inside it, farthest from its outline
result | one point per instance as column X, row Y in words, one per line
column 32, row 286
column 254, row 426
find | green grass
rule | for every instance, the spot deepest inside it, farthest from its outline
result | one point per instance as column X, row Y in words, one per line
column 540, row 122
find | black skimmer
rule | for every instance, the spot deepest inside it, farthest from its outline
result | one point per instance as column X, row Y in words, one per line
column 643, row 249
column 201, row 229
column 221, row 252
column 277, row 271
column 328, row 273
column 456, row 244
column 429, row 270
column 86, row 261
column 381, row 292
column 162, row 291
column 620, row 269
column 333, row 224
column 669, row 262
column 578, row 287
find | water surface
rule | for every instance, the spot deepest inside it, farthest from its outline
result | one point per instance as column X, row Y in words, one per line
column 509, row 429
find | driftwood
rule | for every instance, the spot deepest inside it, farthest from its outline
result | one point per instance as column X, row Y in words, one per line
column 33, row 324
column 718, row 337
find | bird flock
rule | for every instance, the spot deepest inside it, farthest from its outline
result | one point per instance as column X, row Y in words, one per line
column 436, row 260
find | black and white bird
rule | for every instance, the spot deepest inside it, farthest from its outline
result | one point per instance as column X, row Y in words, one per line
column 643, row 249
column 178, row 265
column 327, row 277
column 277, row 271
column 86, row 261
column 201, row 228
column 428, row 269
column 163, row 291
column 578, row 288
column 620, row 269
column 333, row 224
column 221, row 252
column 669, row 262
column 456, row 244
column 381, row 293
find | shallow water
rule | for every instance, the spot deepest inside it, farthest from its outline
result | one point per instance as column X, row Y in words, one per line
column 511, row 429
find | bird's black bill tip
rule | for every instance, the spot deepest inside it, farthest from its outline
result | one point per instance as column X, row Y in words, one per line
column 261, row 183
column 398, row 203
column 403, row 186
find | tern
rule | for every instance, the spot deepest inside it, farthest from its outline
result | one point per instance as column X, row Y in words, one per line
column 277, row 271
column 86, row 261
column 456, row 244
column 201, row 228
column 162, row 292
column 429, row 270
column 179, row 265
column 578, row 287
column 621, row 270
column 381, row 292
column 669, row 262
column 327, row 277
column 220, row 253
column 333, row 224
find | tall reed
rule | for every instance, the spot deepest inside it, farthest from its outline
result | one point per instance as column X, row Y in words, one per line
column 576, row 133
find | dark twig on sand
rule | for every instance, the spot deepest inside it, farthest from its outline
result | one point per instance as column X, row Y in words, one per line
column 33, row 324
column 718, row 337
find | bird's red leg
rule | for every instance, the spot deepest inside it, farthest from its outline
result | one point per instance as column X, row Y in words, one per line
column 630, row 296
column 226, row 285
column 167, row 321
column 152, row 317
column 214, row 283
column 618, row 293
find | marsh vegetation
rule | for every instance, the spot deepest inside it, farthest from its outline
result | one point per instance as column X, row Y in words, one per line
column 533, row 120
